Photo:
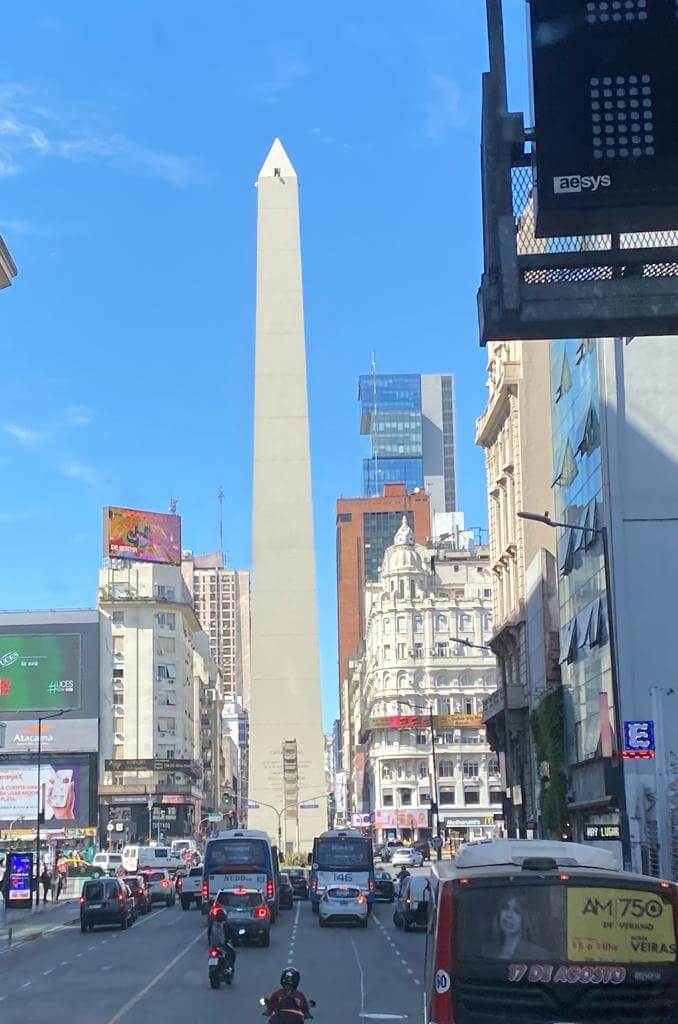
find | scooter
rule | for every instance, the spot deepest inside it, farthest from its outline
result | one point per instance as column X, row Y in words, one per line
column 283, row 1016
column 221, row 965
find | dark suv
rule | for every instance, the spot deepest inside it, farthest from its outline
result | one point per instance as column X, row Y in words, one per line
column 106, row 901
column 140, row 891
column 247, row 915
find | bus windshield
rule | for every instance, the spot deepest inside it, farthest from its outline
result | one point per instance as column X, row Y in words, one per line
column 343, row 854
column 519, row 923
column 224, row 855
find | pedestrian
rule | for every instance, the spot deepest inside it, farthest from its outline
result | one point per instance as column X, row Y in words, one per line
column 45, row 881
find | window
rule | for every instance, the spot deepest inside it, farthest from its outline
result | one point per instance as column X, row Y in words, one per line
column 447, row 797
column 468, row 706
column 387, row 799
column 496, row 796
column 165, row 593
column 493, row 767
column 118, row 646
column 471, row 736
column 422, row 769
column 401, row 650
column 418, row 623
column 446, row 769
column 421, row 739
column 167, row 672
column 444, row 706
column 166, row 619
column 441, row 623
column 118, row 698
column 402, row 624
column 167, row 724
column 345, row 517
column 445, row 738
column 413, row 589
column 465, row 624
column 118, row 618
column 471, row 769
column 471, row 796
column 166, row 645
column 118, row 673
column 387, row 651
column 442, row 650
column 418, row 650
column 487, row 592
column 405, row 797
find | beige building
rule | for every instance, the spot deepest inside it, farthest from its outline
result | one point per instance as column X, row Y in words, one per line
column 207, row 679
column 515, row 432
column 286, row 736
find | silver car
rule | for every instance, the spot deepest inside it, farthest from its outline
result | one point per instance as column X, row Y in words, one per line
column 408, row 856
column 342, row 904
column 160, row 886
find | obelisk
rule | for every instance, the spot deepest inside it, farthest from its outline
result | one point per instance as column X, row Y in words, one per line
column 286, row 758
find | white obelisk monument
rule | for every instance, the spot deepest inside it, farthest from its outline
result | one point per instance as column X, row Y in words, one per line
column 286, row 757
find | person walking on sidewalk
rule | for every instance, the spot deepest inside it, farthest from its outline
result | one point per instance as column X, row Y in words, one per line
column 45, row 882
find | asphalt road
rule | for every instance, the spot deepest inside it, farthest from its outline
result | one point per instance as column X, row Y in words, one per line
column 159, row 967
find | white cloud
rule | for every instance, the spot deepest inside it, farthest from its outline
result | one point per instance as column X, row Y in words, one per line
column 443, row 107
column 288, row 69
column 23, row 434
column 78, row 471
column 78, row 416
column 30, row 130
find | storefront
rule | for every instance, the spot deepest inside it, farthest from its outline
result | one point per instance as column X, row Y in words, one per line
column 404, row 823
column 458, row 830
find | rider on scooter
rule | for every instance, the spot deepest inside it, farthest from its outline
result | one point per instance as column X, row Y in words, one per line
column 287, row 1003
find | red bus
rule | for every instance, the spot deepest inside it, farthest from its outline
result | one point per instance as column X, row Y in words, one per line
column 540, row 932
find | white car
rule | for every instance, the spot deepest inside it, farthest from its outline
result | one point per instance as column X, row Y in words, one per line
column 106, row 864
column 408, row 856
column 342, row 904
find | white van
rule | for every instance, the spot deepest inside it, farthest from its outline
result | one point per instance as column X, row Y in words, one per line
column 136, row 858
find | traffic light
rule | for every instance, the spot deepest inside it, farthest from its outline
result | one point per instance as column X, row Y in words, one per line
column 227, row 799
column 605, row 84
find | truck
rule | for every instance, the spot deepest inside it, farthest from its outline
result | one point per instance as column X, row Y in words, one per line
column 189, row 888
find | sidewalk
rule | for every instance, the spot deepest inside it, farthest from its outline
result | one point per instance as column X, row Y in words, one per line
column 25, row 924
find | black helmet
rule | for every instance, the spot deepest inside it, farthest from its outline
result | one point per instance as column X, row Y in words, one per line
column 290, row 978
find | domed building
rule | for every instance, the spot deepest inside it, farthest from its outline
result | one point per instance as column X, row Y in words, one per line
column 423, row 617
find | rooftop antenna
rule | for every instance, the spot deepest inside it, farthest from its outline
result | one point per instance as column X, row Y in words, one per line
column 172, row 507
column 220, row 499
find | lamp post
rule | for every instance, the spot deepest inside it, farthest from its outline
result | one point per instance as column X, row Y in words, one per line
column 41, row 718
column 601, row 531
column 435, row 808
column 279, row 812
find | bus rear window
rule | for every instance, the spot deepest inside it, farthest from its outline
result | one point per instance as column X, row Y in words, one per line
column 555, row 923
column 344, row 854
column 224, row 855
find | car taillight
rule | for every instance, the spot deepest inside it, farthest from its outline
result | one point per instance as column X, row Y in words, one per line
column 214, row 952
column 361, row 898
column 314, row 883
column 371, row 885
column 261, row 912
column 121, row 896
column 82, row 899
column 165, row 883
column 205, row 890
column 214, row 911
column 269, row 888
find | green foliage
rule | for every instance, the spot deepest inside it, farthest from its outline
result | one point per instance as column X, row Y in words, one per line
column 295, row 859
column 548, row 729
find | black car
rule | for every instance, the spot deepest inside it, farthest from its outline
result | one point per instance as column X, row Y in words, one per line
column 140, row 891
column 423, row 846
column 298, row 881
column 286, row 894
column 106, row 901
column 247, row 915
column 384, row 888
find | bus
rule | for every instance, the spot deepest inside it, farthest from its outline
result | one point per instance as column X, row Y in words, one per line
column 548, row 931
column 243, row 857
column 341, row 855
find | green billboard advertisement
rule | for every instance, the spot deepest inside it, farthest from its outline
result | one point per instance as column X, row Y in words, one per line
column 40, row 671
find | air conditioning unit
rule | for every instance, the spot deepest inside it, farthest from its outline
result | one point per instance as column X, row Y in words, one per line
column 118, row 709
column 210, row 694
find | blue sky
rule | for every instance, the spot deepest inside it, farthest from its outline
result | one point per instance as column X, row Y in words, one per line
column 130, row 138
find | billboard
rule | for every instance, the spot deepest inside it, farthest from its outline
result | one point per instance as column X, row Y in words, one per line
column 142, row 536
column 59, row 735
column 40, row 671
column 401, row 818
column 64, row 787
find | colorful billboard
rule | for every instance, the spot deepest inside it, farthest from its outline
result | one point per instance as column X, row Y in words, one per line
column 64, row 792
column 401, row 818
column 142, row 536
column 59, row 735
column 39, row 671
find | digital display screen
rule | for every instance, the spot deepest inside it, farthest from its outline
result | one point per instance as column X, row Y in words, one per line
column 142, row 536
column 39, row 671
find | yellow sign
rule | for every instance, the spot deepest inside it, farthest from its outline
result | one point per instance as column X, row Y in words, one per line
column 619, row 926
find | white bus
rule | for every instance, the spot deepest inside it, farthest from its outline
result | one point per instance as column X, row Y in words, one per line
column 241, row 857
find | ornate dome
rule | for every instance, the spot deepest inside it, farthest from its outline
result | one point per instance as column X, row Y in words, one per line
column 403, row 555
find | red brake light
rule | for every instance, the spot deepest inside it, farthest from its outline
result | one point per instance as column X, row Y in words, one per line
column 214, row 911
column 121, row 896
column 564, row 878
column 665, row 885
column 262, row 912
column 361, row 899
column 214, row 952
column 269, row 888
column 82, row 899
column 314, row 883
column 204, row 889
column 165, row 883
column 371, row 885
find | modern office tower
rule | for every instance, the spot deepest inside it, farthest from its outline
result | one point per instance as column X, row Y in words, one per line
column 410, row 419
column 286, row 737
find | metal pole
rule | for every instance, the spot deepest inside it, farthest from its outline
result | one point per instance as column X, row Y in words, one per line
column 661, row 798
column 616, row 696
column 439, row 852
column 37, row 821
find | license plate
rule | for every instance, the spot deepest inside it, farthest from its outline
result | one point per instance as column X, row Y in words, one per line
column 213, row 960
column 94, row 906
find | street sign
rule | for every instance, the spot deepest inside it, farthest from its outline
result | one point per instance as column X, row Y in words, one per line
column 110, row 826
column 252, row 806
column 308, row 807
column 215, row 816
column 639, row 738
column 595, row 833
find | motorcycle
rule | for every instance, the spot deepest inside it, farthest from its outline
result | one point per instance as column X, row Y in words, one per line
column 283, row 1016
column 221, row 965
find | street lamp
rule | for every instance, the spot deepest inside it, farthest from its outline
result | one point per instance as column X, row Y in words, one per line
column 435, row 808
column 41, row 718
column 279, row 813
column 467, row 643
column 601, row 531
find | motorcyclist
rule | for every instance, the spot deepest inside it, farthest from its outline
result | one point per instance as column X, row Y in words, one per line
column 218, row 935
column 287, row 1003
column 402, row 875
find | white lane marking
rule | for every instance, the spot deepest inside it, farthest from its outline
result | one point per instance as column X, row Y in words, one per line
column 168, row 967
column 27, row 984
column 63, row 963
column 384, row 1016
column 79, row 954
column 362, row 978
column 410, row 971
column 45, row 973
column 416, row 981
column 92, row 947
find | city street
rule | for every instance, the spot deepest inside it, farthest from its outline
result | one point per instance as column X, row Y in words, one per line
column 159, row 966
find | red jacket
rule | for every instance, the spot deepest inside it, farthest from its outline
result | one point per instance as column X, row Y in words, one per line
column 292, row 1001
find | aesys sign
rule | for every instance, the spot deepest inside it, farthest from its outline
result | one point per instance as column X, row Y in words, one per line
column 142, row 536
column 39, row 671
column 61, row 735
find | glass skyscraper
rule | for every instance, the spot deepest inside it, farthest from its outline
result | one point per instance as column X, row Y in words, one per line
column 410, row 419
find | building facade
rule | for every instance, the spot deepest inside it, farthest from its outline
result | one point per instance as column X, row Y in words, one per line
column 236, row 733
column 615, row 439
column 427, row 609
column 50, row 664
column 365, row 529
column 518, row 464
column 410, row 420
column 150, row 703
